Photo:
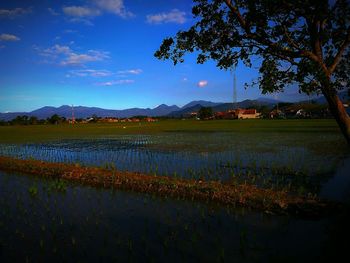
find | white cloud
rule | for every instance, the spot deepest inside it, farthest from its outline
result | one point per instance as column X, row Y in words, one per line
column 130, row 71
column 202, row 83
column 65, row 56
column 74, row 59
column 13, row 13
column 84, row 14
column 55, row 50
column 116, row 82
column 113, row 6
column 91, row 73
column 80, row 11
column 8, row 37
column 52, row 12
column 80, row 14
column 174, row 16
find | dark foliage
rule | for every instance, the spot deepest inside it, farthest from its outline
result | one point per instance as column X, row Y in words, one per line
column 303, row 42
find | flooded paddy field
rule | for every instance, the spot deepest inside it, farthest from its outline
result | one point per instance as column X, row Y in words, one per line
column 43, row 219
column 276, row 161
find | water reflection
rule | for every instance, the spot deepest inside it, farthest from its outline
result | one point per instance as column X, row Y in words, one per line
column 89, row 225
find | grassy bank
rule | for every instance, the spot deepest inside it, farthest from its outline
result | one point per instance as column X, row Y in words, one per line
column 40, row 133
column 243, row 195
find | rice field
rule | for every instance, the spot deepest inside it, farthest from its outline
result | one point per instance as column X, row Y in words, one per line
column 59, row 221
column 271, row 161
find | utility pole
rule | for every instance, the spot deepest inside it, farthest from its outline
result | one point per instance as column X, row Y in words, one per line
column 276, row 98
column 73, row 119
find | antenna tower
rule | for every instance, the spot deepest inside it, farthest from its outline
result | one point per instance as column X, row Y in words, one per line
column 234, row 104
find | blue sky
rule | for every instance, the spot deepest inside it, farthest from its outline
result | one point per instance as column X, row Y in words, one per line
column 100, row 53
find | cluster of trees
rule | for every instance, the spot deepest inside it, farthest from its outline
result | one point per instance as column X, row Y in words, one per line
column 32, row 120
column 283, row 110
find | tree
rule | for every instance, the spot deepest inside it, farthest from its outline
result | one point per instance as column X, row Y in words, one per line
column 54, row 119
column 20, row 120
column 303, row 42
column 205, row 113
column 33, row 120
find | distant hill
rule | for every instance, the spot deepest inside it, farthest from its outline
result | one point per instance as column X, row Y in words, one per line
column 222, row 106
column 203, row 103
column 268, row 100
column 343, row 95
column 85, row 112
column 11, row 115
column 185, row 111
column 161, row 110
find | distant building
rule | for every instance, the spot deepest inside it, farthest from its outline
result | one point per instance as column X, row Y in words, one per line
column 225, row 115
column 247, row 114
column 301, row 113
column 109, row 120
column 237, row 114
column 148, row 119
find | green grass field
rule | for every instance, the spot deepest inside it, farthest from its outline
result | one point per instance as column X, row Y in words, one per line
column 40, row 133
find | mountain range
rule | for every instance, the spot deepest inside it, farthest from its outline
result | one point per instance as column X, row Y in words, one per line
column 194, row 106
column 161, row 110
column 86, row 112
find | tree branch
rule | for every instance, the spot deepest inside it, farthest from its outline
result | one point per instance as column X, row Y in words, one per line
column 340, row 53
column 240, row 18
column 286, row 53
column 290, row 40
column 281, row 52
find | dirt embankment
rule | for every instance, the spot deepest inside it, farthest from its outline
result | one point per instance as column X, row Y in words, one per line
column 267, row 200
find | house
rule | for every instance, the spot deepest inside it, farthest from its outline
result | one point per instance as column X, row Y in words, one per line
column 109, row 120
column 247, row 114
column 301, row 113
column 230, row 114
column 148, row 119
column 237, row 114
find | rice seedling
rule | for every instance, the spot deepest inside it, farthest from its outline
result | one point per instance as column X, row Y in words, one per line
column 33, row 190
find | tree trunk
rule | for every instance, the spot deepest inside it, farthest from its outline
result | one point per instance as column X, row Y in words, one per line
column 338, row 111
